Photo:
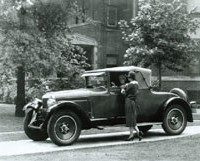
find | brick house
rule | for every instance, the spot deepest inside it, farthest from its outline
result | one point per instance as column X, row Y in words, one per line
column 101, row 38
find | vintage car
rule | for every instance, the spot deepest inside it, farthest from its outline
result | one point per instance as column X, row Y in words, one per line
column 62, row 115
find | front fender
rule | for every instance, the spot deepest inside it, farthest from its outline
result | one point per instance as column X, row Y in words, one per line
column 35, row 104
column 185, row 105
column 62, row 104
column 73, row 106
column 27, row 106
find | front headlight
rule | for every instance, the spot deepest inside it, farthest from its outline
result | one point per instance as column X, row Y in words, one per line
column 51, row 101
column 35, row 104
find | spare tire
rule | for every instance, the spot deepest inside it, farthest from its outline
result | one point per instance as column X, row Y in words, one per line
column 180, row 93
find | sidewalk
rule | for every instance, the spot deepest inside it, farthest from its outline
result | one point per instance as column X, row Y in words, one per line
column 196, row 115
column 8, row 121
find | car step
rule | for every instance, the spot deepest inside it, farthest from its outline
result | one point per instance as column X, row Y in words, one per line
column 100, row 127
column 149, row 123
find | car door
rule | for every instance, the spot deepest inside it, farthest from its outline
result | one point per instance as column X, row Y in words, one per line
column 146, row 102
column 107, row 105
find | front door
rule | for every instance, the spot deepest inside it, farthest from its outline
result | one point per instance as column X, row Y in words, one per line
column 107, row 105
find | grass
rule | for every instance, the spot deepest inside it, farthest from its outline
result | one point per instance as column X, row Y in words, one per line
column 8, row 121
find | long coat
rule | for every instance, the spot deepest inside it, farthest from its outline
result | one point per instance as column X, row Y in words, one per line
column 131, row 91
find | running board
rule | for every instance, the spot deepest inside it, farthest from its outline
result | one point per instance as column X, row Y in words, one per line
column 149, row 123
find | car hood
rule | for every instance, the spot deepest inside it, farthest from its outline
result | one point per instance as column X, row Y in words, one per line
column 72, row 94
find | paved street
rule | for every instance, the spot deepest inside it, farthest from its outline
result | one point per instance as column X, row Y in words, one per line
column 21, row 147
column 13, row 141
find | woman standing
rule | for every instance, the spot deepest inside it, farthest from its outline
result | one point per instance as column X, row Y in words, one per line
column 131, row 91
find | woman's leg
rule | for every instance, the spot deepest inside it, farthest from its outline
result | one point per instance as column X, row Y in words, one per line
column 139, row 134
column 131, row 131
column 131, row 136
column 137, row 130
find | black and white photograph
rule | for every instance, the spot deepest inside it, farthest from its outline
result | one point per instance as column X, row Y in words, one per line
column 99, row 80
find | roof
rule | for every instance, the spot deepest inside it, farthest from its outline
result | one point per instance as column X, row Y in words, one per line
column 121, row 69
column 143, row 73
column 93, row 74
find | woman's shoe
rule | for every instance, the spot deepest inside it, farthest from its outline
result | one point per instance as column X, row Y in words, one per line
column 140, row 137
column 140, row 134
column 130, row 138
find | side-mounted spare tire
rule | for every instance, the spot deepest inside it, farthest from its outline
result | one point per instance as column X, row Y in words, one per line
column 34, row 134
column 180, row 93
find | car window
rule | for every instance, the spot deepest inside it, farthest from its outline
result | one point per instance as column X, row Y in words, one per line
column 141, row 81
column 117, row 79
column 96, row 82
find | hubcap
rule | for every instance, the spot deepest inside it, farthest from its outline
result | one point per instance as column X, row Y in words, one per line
column 175, row 119
column 65, row 127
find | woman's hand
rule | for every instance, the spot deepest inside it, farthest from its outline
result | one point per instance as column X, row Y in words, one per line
column 123, row 91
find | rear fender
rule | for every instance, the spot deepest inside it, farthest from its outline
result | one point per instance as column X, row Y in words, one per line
column 180, row 101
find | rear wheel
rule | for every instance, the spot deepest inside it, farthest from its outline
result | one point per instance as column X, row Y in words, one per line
column 175, row 120
column 34, row 134
column 64, row 128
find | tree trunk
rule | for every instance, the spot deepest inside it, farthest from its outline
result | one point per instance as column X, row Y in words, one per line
column 20, row 100
column 160, row 76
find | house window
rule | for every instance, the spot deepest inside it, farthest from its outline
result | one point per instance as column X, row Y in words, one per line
column 111, row 16
column 194, row 67
column 112, row 60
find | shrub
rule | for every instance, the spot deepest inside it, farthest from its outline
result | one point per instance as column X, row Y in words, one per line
column 36, row 88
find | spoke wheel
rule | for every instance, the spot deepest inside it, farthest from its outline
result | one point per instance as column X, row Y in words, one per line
column 64, row 128
column 175, row 120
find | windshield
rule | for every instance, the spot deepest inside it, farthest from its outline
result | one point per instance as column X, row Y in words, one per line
column 96, row 81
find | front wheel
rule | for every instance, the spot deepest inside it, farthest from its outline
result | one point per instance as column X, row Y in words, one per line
column 175, row 120
column 64, row 128
column 34, row 134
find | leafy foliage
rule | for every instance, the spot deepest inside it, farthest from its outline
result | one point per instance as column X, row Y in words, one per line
column 35, row 36
column 42, row 46
column 36, row 88
column 160, row 34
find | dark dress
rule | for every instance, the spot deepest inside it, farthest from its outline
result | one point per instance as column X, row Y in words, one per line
column 131, row 91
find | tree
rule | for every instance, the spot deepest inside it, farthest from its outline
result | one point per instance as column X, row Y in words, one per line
column 160, row 35
column 35, row 41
